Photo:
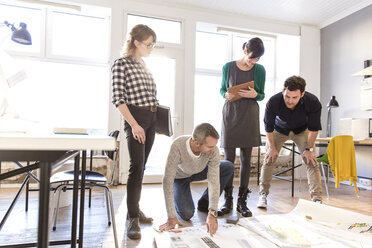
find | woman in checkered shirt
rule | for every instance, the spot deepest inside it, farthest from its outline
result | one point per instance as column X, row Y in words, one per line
column 134, row 94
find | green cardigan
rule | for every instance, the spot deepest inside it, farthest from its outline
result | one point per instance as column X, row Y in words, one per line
column 259, row 80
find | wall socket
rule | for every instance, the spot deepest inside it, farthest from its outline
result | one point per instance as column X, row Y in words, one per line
column 364, row 181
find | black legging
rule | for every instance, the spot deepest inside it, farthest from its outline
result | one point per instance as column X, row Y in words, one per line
column 245, row 165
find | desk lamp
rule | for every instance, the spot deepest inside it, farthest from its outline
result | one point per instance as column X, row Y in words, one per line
column 19, row 35
column 331, row 104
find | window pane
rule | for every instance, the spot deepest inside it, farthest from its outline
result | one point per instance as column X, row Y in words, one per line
column 80, row 36
column 208, row 101
column 14, row 15
column 211, row 51
column 67, row 95
column 166, row 30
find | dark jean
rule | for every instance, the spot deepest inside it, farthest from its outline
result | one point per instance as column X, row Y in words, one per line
column 138, row 154
column 184, row 203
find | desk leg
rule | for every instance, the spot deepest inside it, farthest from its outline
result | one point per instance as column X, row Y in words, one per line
column 91, row 169
column 43, row 226
column 82, row 198
column 75, row 193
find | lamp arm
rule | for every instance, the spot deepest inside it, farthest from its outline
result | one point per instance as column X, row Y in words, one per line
column 9, row 25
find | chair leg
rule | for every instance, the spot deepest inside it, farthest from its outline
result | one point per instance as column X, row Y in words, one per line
column 57, row 208
column 324, row 178
column 107, row 191
column 113, row 219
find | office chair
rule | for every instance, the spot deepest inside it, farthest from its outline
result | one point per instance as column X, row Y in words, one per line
column 340, row 156
column 92, row 179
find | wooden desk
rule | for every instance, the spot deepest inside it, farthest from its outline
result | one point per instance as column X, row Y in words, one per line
column 51, row 150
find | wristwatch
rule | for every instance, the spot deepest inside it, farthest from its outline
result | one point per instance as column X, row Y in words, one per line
column 309, row 149
column 213, row 213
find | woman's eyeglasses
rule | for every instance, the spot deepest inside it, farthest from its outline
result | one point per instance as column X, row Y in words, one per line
column 151, row 45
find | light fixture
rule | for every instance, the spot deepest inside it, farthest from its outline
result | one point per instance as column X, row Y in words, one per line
column 21, row 34
column 331, row 104
column 365, row 72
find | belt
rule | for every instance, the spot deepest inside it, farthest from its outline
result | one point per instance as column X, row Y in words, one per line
column 149, row 108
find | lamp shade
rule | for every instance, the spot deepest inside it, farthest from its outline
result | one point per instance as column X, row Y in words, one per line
column 365, row 72
column 332, row 103
column 21, row 35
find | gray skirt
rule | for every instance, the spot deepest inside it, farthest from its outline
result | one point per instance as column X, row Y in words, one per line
column 240, row 124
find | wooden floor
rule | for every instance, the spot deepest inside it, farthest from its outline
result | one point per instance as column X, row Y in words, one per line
column 22, row 226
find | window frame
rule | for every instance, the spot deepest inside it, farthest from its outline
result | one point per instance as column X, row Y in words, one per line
column 159, row 44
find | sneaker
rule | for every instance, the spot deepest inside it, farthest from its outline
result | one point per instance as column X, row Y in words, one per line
column 318, row 201
column 262, row 201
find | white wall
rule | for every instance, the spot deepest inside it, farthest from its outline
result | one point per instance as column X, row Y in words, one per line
column 310, row 58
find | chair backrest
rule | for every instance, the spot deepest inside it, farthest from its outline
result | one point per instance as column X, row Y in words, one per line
column 113, row 155
column 341, row 157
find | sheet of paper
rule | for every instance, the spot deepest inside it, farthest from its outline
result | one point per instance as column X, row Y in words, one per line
column 308, row 225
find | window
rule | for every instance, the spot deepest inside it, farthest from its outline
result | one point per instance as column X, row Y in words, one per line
column 68, row 85
column 166, row 30
column 211, row 51
column 63, row 94
column 79, row 36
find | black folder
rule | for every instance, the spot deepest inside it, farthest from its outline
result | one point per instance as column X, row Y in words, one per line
column 163, row 121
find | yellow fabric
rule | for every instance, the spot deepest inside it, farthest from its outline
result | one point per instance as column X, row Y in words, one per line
column 341, row 157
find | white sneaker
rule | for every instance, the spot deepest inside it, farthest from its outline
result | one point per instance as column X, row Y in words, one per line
column 262, row 201
column 318, row 201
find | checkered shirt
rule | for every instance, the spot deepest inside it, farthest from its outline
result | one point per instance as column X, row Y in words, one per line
column 132, row 84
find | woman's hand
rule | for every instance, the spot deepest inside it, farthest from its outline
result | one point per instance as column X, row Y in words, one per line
column 139, row 134
column 229, row 96
column 251, row 93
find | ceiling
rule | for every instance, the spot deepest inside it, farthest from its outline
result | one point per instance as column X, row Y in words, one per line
column 318, row 13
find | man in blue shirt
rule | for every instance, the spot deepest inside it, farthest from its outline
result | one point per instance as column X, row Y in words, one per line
column 292, row 114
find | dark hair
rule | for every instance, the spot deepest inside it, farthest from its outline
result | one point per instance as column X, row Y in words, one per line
column 295, row 83
column 256, row 46
column 204, row 130
column 140, row 32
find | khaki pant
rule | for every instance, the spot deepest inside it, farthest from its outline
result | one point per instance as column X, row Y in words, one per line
column 313, row 173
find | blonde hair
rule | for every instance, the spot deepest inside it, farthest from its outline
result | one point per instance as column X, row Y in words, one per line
column 140, row 32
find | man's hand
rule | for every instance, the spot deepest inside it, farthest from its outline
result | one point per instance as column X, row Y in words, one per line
column 309, row 157
column 139, row 134
column 212, row 224
column 251, row 93
column 170, row 224
column 271, row 155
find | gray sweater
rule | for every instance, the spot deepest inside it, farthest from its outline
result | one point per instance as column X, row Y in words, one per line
column 182, row 163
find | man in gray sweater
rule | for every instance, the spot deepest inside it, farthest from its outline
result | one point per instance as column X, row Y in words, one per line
column 191, row 159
